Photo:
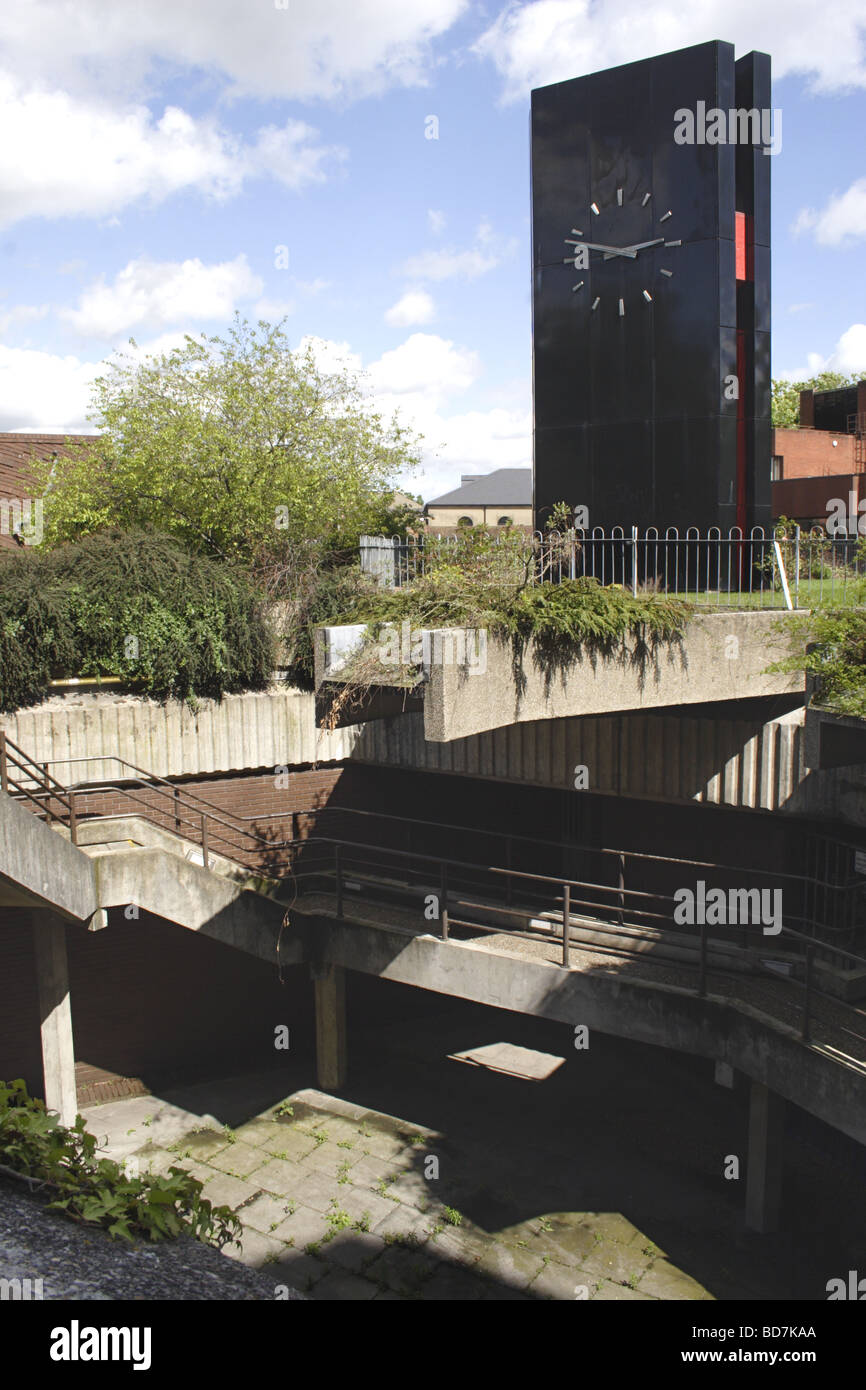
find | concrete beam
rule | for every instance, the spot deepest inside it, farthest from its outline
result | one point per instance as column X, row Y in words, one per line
column 40, row 868
column 761, row 1048
column 721, row 656
column 764, row 1163
column 55, row 1015
column 329, row 983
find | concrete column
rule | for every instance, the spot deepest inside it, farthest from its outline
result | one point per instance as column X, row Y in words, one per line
column 329, row 983
column 55, row 1014
column 764, row 1164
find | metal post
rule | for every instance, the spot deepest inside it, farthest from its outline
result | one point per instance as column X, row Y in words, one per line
column 702, row 979
column 73, row 819
column 807, row 996
column 797, row 566
column 508, row 876
column 443, row 899
column 177, row 808
column 4, row 771
column 634, row 561
column 566, row 920
column 621, row 887
column 44, row 767
column 338, row 874
column 204, row 847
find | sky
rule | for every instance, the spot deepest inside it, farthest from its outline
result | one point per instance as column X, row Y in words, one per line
column 360, row 170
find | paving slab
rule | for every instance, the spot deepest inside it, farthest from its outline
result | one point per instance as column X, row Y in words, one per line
column 353, row 1250
column 664, row 1280
column 256, row 1249
column 509, row 1265
column 617, row 1293
column 278, row 1176
column 298, row 1269
column 404, row 1271
column 238, row 1159
column 223, row 1190
column 266, row 1212
column 620, row 1263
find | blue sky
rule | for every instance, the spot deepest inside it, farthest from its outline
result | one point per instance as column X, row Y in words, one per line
column 154, row 159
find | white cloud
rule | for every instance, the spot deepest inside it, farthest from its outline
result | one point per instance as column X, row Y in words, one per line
column 44, row 392
column 21, row 313
column 64, row 157
column 415, row 306
column 155, row 294
column 273, row 310
column 425, row 366
column 448, row 263
column 841, row 222
column 552, row 40
column 849, row 355
column 307, row 49
column 436, row 220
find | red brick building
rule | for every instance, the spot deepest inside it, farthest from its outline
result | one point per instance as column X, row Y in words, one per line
column 824, row 459
column 18, row 491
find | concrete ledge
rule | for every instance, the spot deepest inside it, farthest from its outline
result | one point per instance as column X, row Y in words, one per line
column 39, row 868
column 721, row 656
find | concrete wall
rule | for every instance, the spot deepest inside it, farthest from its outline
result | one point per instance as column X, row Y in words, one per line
column 751, row 762
column 274, row 728
column 722, row 656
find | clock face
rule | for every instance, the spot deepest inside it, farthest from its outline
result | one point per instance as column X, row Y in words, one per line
column 600, row 240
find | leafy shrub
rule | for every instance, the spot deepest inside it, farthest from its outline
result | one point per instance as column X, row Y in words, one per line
column 133, row 605
column 831, row 645
column 99, row 1192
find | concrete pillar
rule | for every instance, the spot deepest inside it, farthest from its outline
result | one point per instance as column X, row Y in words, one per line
column 329, row 983
column 55, row 1014
column 764, row 1164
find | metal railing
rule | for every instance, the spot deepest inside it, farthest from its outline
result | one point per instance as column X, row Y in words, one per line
column 713, row 569
column 370, row 875
column 627, row 893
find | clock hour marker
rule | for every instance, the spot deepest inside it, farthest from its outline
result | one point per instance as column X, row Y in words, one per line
column 619, row 197
column 594, row 208
column 621, row 309
column 578, row 286
column 647, row 296
column 673, row 243
column 596, row 302
column 665, row 216
column 668, row 273
column 646, row 198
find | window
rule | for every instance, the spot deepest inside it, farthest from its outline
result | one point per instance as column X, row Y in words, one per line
column 505, row 521
column 776, row 468
column 464, row 521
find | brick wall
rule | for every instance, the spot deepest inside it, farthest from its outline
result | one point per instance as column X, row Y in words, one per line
column 810, row 453
column 153, row 1001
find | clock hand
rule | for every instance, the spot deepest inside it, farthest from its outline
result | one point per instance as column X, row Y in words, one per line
column 611, row 250
column 642, row 245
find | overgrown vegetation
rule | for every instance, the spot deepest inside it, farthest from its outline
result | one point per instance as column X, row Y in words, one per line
column 830, row 644
column 239, row 446
column 488, row 582
column 98, row 1192
column 138, row 606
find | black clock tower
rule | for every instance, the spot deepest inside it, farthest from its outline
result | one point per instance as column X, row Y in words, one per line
column 651, row 297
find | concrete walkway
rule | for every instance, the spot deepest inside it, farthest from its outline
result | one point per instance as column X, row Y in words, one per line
column 335, row 1202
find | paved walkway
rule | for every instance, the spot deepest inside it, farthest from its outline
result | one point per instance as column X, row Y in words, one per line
column 341, row 1202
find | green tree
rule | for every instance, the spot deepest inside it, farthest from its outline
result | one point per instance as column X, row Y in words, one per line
column 239, row 446
column 786, row 395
